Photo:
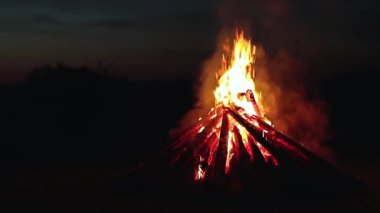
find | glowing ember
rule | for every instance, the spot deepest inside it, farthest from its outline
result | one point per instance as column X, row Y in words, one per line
column 237, row 123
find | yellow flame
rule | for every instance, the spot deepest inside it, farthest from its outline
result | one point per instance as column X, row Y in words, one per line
column 236, row 76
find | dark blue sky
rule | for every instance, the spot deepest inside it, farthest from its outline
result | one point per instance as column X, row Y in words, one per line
column 129, row 34
column 159, row 39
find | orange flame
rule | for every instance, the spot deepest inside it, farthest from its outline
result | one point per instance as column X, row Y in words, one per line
column 236, row 79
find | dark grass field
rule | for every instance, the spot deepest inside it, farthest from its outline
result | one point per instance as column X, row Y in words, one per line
column 69, row 135
column 86, row 189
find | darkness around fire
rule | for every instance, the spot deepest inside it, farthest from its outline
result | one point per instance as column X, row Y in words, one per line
column 122, row 75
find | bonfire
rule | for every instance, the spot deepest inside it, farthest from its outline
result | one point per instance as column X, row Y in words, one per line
column 237, row 126
column 236, row 147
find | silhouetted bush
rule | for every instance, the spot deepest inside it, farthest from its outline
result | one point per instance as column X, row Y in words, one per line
column 64, row 114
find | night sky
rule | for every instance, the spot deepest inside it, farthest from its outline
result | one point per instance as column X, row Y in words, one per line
column 152, row 38
column 165, row 39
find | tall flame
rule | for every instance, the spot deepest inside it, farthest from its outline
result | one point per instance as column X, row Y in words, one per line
column 226, row 132
column 236, row 85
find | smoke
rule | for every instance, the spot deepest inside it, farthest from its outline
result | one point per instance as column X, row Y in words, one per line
column 248, row 12
column 289, row 102
column 207, row 82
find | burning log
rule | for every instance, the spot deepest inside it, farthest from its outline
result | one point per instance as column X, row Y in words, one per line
column 251, row 98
